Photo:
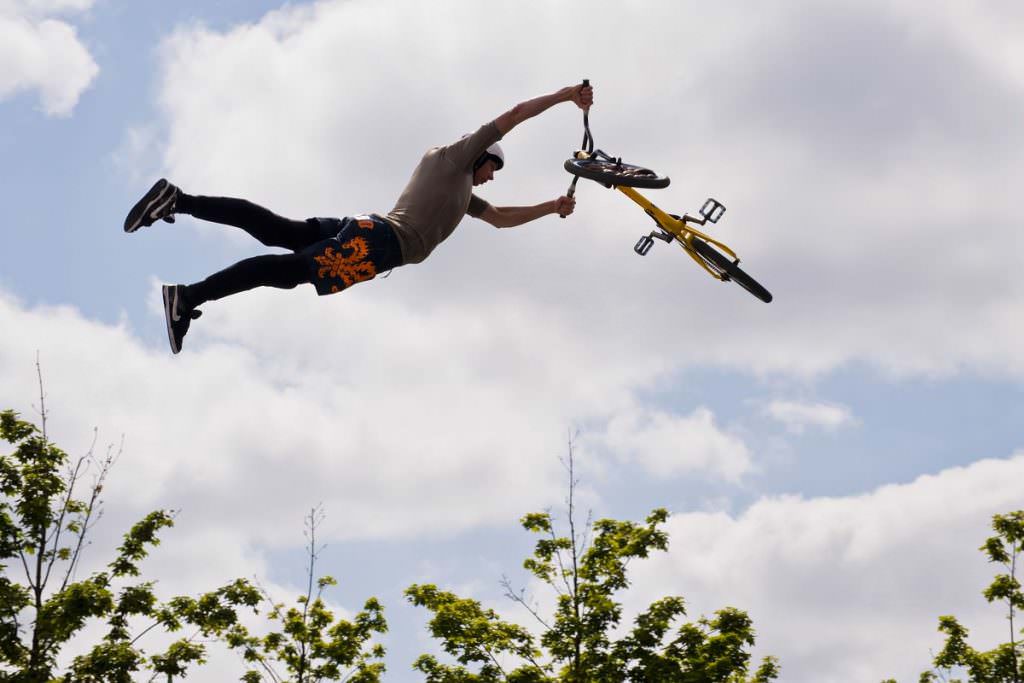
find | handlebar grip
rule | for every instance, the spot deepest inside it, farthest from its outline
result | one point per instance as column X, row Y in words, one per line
column 571, row 193
column 586, row 125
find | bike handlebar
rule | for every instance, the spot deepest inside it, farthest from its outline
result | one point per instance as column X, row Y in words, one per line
column 586, row 136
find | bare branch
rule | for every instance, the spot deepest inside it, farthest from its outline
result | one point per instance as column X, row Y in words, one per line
column 521, row 599
column 562, row 572
column 28, row 572
column 39, row 536
column 268, row 668
column 536, row 665
column 42, row 398
column 260, row 659
column 94, row 506
column 274, row 613
column 72, row 478
column 315, row 517
column 577, row 607
column 585, row 545
column 144, row 632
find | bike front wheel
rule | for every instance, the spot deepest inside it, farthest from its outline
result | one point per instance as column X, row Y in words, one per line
column 615, row 174
column 723, row 265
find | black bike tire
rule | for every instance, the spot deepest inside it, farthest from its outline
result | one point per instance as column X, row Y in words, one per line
column 589, row 169
column 734, row 272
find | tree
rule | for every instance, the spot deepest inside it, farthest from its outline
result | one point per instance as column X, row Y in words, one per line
column 311, row 645
column 43, row 529
column 1004, row 663
column 586, row 569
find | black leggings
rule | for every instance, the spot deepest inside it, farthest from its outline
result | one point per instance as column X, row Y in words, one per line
column 284, row 271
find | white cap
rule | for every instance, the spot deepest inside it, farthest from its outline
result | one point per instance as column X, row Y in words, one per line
column 496, row 152
column 493, row 152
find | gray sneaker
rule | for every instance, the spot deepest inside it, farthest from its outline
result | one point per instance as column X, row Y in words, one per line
column 178, row 315
column 157, row 204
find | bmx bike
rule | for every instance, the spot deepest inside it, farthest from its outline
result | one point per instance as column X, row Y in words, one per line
column 715, row 257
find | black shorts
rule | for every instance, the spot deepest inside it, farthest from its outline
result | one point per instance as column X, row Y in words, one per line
column 354, row 249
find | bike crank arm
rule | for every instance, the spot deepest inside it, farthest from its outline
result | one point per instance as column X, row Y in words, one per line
column 647, row 241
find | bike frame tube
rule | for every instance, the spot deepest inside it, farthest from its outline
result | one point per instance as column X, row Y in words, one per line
column 680, row 229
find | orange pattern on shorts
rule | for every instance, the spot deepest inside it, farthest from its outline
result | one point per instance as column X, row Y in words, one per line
column 351, row 269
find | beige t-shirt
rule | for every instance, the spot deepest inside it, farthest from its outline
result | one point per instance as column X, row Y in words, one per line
column 439, row 194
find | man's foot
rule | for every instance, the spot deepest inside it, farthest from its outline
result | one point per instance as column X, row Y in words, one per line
column 156, row 204
column 178, row 315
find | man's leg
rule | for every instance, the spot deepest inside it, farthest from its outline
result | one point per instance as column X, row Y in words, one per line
column 266, row 226
column 284, row 271
column 164, row 200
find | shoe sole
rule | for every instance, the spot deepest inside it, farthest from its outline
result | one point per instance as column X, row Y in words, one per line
column 170, row 303
column 154, row 200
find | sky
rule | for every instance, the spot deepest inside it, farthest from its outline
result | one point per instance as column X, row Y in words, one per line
column 831, row 461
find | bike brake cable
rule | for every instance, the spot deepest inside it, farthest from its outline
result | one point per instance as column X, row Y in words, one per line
column 588, row 138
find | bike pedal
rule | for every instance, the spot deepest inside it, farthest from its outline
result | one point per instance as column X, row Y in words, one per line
column 712, row 210
column 643, row 245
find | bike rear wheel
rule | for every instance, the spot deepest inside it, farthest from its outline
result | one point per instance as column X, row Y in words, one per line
column 614, row 173
column 724, row 265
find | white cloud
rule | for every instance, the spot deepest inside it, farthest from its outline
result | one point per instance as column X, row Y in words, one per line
column 134, row 156
column 282, row 400
column 798, row 416
column 671, row 445
column 44, row 54
column 38, row 7
column 851, row 588
column 326, row 419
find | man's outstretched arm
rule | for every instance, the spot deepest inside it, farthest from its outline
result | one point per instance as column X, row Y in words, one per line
column 511, row 216
column 582, row 96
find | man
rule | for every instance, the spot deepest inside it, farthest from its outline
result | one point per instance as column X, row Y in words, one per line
column 335, row 253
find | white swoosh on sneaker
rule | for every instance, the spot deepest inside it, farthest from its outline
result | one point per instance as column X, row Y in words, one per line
column 174, row 306
column 162, row 204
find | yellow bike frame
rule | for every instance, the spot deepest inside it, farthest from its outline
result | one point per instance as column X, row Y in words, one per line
column 680, row 228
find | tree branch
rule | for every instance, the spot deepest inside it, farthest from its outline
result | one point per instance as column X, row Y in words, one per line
column 518, row 597
column 577, row 643
column 536, row 665
column 73, row 476
column 94, row 501
column 1015, row 550
column 42, row 399
column 313, row 519
column 260, row 659
column 562, row 572
column 144, row 632
column 35, row 654
column 28, row 572
column 490, row 654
